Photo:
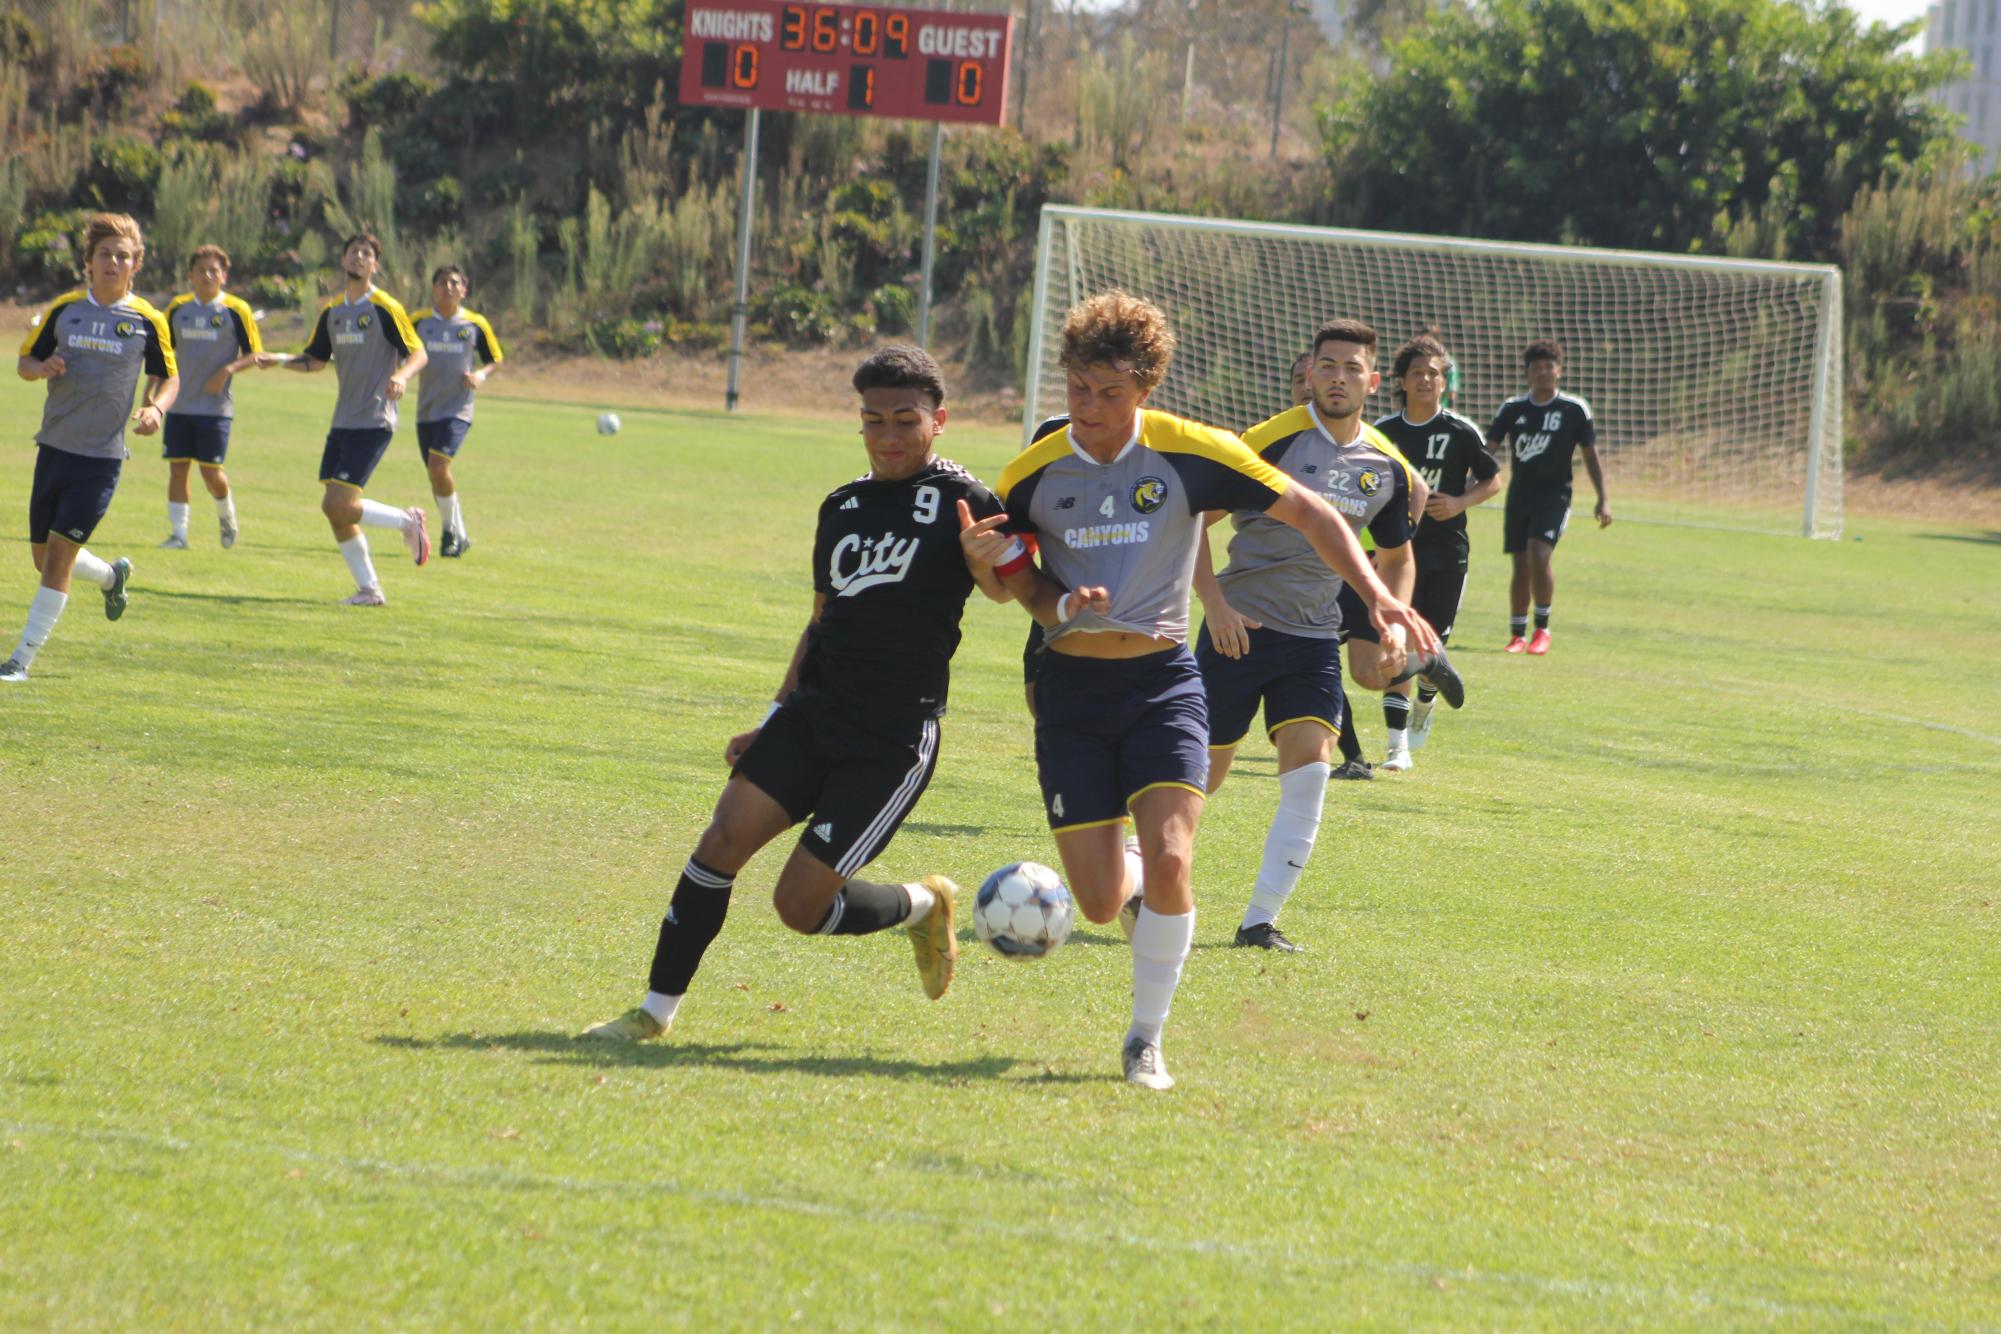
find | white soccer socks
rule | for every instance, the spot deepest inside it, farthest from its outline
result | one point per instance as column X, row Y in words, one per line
column 177, row 519
column 1294, row 827
column 96, row 571
column 225, row 509
column 1160, row 946
column 375, row 514
column 661, row 1007
column 43, row 613
column 449, row 514
column 355, row 552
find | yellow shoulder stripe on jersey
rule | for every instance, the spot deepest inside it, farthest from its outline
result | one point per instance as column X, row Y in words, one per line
column 179, row 301
column 419, row 315
column 1273, row 429
column 1032, row 460
column 393, row 308
column 1387, row 446
column 248, row 317
column 492, row 343
column 1169, row 434
column 161, row 332
column 48, row 320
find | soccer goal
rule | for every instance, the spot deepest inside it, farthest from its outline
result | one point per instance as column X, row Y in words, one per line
column 1715, row 383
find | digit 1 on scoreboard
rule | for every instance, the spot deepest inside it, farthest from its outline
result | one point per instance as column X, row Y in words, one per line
column 861, row 87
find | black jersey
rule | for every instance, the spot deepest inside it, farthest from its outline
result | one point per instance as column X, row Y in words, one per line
column 886, row 556
column 1544, row 437
column 1449, row 452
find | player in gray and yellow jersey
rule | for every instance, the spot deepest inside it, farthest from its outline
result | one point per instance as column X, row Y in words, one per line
column 463, row 352
column 91, row 345
column 367, row 338
column 1277, row 615
column 1115, row 502
column 214, row 336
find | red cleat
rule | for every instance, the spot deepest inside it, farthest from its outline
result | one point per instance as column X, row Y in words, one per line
column 1538, row 643
column 1518, row 645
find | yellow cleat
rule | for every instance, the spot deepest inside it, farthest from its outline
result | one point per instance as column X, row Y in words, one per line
column 933, row 940
column 635, row 1025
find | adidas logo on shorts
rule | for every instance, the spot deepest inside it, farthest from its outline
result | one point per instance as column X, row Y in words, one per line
column 824, row 831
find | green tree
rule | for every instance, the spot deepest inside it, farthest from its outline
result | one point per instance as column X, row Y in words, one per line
column 1650, row 124
column 566, row 61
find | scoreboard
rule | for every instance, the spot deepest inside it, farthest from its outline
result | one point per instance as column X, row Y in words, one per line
column 851, row 60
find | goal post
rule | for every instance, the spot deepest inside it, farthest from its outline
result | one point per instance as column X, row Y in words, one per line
column 1715, row 383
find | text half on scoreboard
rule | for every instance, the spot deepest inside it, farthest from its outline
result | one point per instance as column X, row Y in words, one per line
column 850, row 60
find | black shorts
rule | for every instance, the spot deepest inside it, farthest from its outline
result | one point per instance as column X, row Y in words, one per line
column 1441, row 583
column 194, row 438
column 1355, row 622
column 71, row 492
column 1534, row 516
column 443, row 437
column 852, row 786
column 1032, row 654
column 1108, row 729
column 1297, row 679
column 351, row 455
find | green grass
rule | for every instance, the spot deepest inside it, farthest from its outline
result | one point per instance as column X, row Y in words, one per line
column 1665, row 991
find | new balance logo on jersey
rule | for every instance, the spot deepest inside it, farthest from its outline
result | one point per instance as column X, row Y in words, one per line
column 824, row 831
column 851, row 504
column 858, row 564
column 1067, row 503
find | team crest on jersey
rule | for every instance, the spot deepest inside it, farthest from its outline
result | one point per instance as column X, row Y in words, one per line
column 215, row 321
column 1149, row 494
column 465, row 334
column 125, row 328
column 363, row 321
column 1370, row 481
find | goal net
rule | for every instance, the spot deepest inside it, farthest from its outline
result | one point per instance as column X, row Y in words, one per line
column 1715, row 383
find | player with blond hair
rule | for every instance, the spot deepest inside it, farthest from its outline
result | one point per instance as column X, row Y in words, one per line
column 91, row 346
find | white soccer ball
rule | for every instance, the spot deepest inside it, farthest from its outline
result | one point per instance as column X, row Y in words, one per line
column 607, row 423
column 1024, row 911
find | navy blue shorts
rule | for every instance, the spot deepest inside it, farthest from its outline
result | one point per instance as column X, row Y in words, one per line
column 1534, row 516
column 1032, row 654
column 1108, row 729
column 1355, row 622
column 351, row 455
column 851, row 784
column 444, row 437
column 1296, row 679
column 70, row 495
column 194, row 438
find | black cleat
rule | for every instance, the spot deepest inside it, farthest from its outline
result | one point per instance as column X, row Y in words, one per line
column 453, row 544
column 1439, row 674
column 1267, row 936
column 1354, row 769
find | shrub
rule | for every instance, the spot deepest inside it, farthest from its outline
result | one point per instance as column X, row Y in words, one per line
column 385, row 101
column 276, row 290
column 45, row 255
column 894, row 308
column 626, row 339
column 799, row 315
column 122, row 172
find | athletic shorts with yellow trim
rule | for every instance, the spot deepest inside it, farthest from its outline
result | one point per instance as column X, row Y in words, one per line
column 1295, row 678
column 351, row 454
column 1107, row 729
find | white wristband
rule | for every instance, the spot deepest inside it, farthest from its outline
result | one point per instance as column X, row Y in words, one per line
column 1063, row 610
column 769, row 710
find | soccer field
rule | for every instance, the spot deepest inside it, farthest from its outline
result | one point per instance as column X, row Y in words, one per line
column 1665, row 991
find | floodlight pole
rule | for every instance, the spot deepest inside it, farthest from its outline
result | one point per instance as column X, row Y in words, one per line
column 740, row 309
column 930, row 236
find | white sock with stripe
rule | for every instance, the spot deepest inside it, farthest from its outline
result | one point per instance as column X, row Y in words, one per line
column 1294, row 827
column 43, row 613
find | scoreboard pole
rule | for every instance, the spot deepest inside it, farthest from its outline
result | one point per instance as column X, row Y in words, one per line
column 740, row 309
column 930, row 236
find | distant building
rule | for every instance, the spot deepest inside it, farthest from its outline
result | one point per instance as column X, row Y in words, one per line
column 1972, row 26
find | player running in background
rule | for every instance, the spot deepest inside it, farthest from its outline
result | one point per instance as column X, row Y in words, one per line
column 463, row 352
column 852, row 739
column 1545, row 427
column 1451, row 457
column 214, row 336
column 91, row 345
column 1115, row 500
column 1276, row 616
column 374, row 352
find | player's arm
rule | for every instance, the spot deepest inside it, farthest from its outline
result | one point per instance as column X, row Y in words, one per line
column 40, row 368
column 319, row 351
column 1012, row 559
column 39, row 359
column 414, row 360
column 740, row 743
column 487, row 345
column 979, row 553
column 1480, row 464
column 1336, row 544
column 1229, row 629
column 163, row 379
column 1597, row 471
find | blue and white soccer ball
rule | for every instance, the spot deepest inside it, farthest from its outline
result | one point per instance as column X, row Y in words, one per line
column 1024, row 911
column 607, row 423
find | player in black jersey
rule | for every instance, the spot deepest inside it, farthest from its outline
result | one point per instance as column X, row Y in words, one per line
column 852, row 739
column 1545, row 427
column 1449, row 453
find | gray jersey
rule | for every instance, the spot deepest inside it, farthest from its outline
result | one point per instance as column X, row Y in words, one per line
column 207, row 337
column 1275, row 577
column 104, row 350
column 465, row 342
column 366, row 341
column 1132, row 524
